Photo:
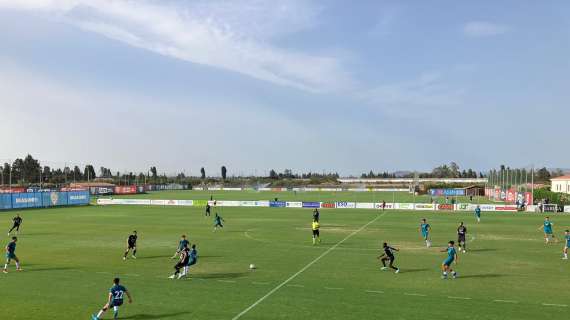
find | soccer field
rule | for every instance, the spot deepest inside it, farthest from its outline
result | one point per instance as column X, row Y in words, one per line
column 70, row 256
column 349, row 196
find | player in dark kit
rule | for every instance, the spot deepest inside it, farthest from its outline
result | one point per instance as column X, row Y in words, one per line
column 131, row 245
column 316, row 215
column 208, row 210
column 115, row 300
column 17, row 222
column 388, row 255
column 461, row 234
column 182, row 263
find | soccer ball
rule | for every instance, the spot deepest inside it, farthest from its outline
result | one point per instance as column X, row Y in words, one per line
column 252, row 266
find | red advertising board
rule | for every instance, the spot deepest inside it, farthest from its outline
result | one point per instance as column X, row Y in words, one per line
column 125, row 189
column 328, row 205
column 506, row 208
column 444, row 207
column 13, row 190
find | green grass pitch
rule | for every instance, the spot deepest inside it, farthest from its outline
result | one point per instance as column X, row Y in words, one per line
column 70, row 256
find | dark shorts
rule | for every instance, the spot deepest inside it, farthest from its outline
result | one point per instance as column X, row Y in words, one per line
column 116, row 303
column 316, row 233
column 192, row 262
column 390, row 258
column 180, row 265
column 461, row 239
column 132, row 245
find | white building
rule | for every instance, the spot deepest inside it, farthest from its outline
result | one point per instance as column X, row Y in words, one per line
column 561, row 184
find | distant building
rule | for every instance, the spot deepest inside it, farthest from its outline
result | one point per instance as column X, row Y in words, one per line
column 560, row 184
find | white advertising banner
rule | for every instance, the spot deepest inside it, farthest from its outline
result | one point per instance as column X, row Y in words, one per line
column 104, row 201
column 364, row 205
column 226, row 203
column 262, row 204
column 185, row 202
column 158, row 202
column 346, row 205
column 387, row 206
column 424, row 206
column 404, row 206
column 248, row 203
column 294, row 204
column 232, row 189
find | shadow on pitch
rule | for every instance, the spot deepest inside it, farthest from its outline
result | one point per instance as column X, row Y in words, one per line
column 155, row 316
column 478, row 276
column 229, row 275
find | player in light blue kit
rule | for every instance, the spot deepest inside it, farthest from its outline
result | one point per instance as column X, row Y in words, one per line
column 548, row 232
column 115, row 300
column 567, row 245
column 451, row 257
column 425, row 229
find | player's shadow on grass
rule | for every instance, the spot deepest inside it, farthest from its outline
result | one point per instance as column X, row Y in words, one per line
column 229, row 275
column 155, row 316
column 488, row 275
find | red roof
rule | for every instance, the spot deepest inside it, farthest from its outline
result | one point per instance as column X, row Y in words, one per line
column 566, row 177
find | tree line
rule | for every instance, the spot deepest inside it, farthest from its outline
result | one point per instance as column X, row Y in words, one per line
column 29, row 171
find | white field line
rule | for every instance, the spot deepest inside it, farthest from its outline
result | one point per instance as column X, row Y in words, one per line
column 374, row 291
column 246, row 310
column 505, row 301
column 296, row 285
column 555, row 305
column 332, row 288
column 459, row 298
column 415, row 294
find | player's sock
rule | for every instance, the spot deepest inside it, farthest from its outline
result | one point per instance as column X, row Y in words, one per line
column 17, row 266
column 314, row 240
column 5, row 266
column 100, row 314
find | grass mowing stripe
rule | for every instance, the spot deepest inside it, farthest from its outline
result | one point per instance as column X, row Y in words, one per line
column 306, row 267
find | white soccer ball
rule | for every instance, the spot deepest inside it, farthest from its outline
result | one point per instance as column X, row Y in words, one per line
column 252, row 266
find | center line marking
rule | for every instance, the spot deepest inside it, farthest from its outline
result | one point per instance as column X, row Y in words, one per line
column 554, row 305
column 460, row 298
column 415, row 294
column 374, row 291
column 306, row 267
column 506, row 301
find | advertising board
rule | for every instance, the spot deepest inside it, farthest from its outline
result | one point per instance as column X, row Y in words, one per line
column 328, row 205
column 424, row 206
column 445, row 207
column 364, row 205
column 277, row 204
column 380, row 206
column 294, row 204
column 345, row 205
column 311, row 204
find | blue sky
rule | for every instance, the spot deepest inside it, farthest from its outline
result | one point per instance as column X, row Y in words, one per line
column 307, row 85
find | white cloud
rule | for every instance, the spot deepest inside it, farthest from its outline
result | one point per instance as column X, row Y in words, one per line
column 234, row 36
column 484, row 29
column 425, row 94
